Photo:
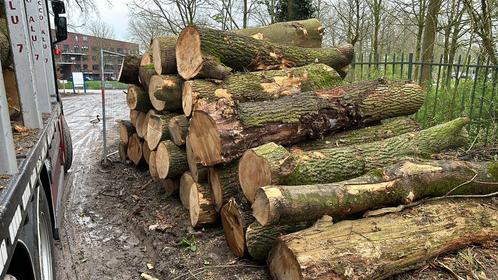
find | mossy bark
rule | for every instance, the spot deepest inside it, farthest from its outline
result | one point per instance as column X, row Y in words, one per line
column 129, row 71
column 163, row 54
column 395, row 185
column 378, row 247
column 168, row 88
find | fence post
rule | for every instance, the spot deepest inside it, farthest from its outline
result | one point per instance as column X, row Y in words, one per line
column 410, row 66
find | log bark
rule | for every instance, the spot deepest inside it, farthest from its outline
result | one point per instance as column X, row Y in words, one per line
column 157, row 129
column 259, row 86
column 163, row 54
column 152, row 165
column 231, row 129
column 201, row 206
column 146, row 152
column 395, row 185
column 224, row 182
column 270, row 164
column 133, row 117
column 235, row 218
column 303, row 33
column 166, row 91
column 122, row 151
column 171, row 160
column 146, row 70
column 138, row 99
column 378, row 247
column 129, row 71
column 198, row 48
column 140, row 124
column 126, row 130
column 178, row 129
column 135, row 149
column 186, row 182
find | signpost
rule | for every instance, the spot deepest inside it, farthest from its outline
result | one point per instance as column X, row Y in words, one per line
column 78, row 81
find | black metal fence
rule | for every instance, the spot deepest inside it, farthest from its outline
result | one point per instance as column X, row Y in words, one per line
column 467, row 88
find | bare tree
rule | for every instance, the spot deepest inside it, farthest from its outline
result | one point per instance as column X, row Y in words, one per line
column 143, row 29
column 428, row 39
column 483, row 16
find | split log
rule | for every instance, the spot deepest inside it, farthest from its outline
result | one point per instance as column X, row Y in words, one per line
column 270, row 164
column 133, row 117
column 235, row 218
column 303, row 33
column 126, row 130
column 152, row 165
column 224, row 182
column 140, row 124
column 122, row 150
column 163, row 54
column 201, row 206
column 138, row 99
column 135, row 149
column 171, row 160
column 146, row 152
column 259, row 86
column 378, row 247
column 186, row 182
column 146, row 70
column 157, row 129
column 178, row 129
column 222, row 131
column 198, row 49
column 169, row 186
column 399, row 184
column 128, row 73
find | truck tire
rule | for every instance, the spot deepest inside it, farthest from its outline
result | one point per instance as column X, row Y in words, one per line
column 46, row 255
column 68, row 147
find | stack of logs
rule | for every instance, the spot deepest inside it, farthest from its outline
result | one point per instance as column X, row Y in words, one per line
column 258, row 129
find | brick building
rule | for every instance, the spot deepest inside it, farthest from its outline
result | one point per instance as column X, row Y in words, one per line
column 81, row 53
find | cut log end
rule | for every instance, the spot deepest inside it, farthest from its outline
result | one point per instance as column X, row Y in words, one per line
column 156, row 83
column 178, row 129
column 169, row 186
column 186, row 182
column 205, row 139
column 152, row 165
column 162, row 160
column 234, row 228
column 187, row 98
column 135, row 149
column 285, row 266
column 201, row 206
column 140, row 124
column 155, row 47
column 214, row 181
column 155, row 131
column 261, row 206
column 254, row 172
column 188, row 53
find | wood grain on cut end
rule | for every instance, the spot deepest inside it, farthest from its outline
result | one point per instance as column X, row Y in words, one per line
column 187, row 98
column 201, row 206
column 152, row 165
column 186, row 182
column 234, row 227
column 163, row 54
column 162, row 160
column 188, row 53
column 155, row 84
column 285, row 266
column 133, row 117
column 140, row 123
column 145, row 124
column 170, row 186
column 146, row 151
column 157, row 129
column 126, row 130
column 135, row 149
column 205, row 139
column 178, row 129
column 254, row 173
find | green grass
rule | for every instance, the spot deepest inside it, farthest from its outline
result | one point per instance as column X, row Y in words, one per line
column 96, row 85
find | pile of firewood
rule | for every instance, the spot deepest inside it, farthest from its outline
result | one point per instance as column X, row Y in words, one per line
column 257, row 128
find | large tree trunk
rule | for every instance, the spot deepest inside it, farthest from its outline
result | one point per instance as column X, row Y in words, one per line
column 230, row 129
column 201, row 206
column 163, row 54
column 235, row 218
column 399, row 184
column 157, row 129
column 129, row 71
column 146, row 70
column 303, row 33
column 199, row 48
column 138, row 99
column 171, row 160
column 378, row 247
column 271, row 165
column 186, row 182
column 178, row 129
column 166, row 92
column 259, row 86
column 135, row 149
column 429, row 37
column 126, row 130
column 224, row 182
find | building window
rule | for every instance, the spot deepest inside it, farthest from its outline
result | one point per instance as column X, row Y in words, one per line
column 85, row 66
column 66, row 48
column 85, row 58
column 95, row 49
column 94, row 58
column 95, row 67
column 85, row 38
column 76, row 37
column 120, row 50
column 76, row 49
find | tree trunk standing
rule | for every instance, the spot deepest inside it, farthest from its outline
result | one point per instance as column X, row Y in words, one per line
column 389, row 244
column 245, row 12
column 270, row 165
column 198, row 48
column 201, row 206
column 166, row 91
column 126, row 130
column 235, row 218
column 163, row 55
column 224, row 183
column 376, row 10
column 171, row 160
column 395, row 185
column 481, row 18
column 420, row 31
column 259, row 86
column 129, row 71
column 291, row 119
column 429, row 38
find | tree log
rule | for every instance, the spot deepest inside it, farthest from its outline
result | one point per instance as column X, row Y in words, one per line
column 259, row 86
column 138, row 99
column 152, row 165
column 222, row 131
column 163, row 54
column 171, row 160
column 395, row 185
column 126, row 130
column 198, row 48
column 303, row 33
column 157, row 129
column 378, row 247
column 197, row 170
column 166, row 91
column 201, row 206
column 235, row 218
column 169, row 186
column 271, row 165
column 145, row 124
column 135, row 149
column 186, row 182
column 178, row 129
column 146, row 70
column 129, row 71
column 224, row 182
column 146, row 152
column 140, row 124
column 133, row 117
column 122, row 151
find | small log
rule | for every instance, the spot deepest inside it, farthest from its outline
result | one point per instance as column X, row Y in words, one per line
column 178, row 129
column 378, row 247
column 224, row 182
column 170, row 186
column 138, row 99
column 198, row 49
column 165, row 91
column 171, row 160
column 152, row 165
column 395, row 185
column 157, row 129
column 271, row 165
column 140, row 124
column 135, row 149
column 303, row 33
column 259, row 86
column 146, row 152
column 145, row 124
column 163, row 54
column 201, row 206
column 126, row 130
column 122, row 151
column 186, row 182
column 235, row 218
column 133, row 117
column 220, row 132
column 146, row 70
column 129, row 71
column 196, row 170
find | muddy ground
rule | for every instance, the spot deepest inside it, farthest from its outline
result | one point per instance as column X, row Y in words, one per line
column 118, row 224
